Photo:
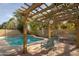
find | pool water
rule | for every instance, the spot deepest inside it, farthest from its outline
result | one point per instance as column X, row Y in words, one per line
column 19, row 40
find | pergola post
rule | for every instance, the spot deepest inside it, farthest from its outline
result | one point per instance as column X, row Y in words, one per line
column 77, row 33
column 49, row 30
column 25, row 14
column 25, row 35
column 77, row 26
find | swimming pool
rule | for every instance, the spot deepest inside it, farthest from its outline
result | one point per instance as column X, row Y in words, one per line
column 19, row 40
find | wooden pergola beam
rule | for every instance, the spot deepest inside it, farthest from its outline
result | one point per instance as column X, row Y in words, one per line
column 27, row 4
column 55, row 16
column 69, row 16
column 48, row 8
column 34, row 5
column 42, row 10
column 66, row 15
column 57, row 10
column 31, row 8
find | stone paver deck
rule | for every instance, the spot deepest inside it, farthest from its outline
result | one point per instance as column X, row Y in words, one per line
column 62, row 49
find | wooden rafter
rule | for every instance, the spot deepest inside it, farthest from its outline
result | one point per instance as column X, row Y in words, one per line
column 58, row 10
column 31, row 8
column 34, row 5
column 42, row 10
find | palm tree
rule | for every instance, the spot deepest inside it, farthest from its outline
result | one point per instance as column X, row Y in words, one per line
column 19, row 21
column 22, row 28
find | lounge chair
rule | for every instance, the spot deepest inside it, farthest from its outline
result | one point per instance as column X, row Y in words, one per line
column 50, row 43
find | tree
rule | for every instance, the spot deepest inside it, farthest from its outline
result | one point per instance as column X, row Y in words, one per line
column 4, row 25
column 0, row 26
column 19, row 21
column 22, row 27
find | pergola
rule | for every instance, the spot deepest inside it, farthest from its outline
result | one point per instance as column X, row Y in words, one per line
column 56, row 12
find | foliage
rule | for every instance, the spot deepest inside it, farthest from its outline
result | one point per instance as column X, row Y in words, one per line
column 0, row 26
column 34, row 27
column 69, row 26
column 20, row 27
column 4, row 25
column 20, row 21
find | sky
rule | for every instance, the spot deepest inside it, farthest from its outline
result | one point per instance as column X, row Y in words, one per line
column 7, row 9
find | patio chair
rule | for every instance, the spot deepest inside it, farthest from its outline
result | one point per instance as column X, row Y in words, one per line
column 50, row 44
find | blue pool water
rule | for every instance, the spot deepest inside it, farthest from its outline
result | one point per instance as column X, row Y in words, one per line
column 19, row 40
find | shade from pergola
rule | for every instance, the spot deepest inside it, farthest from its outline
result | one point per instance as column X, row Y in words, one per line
column 54, row 11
